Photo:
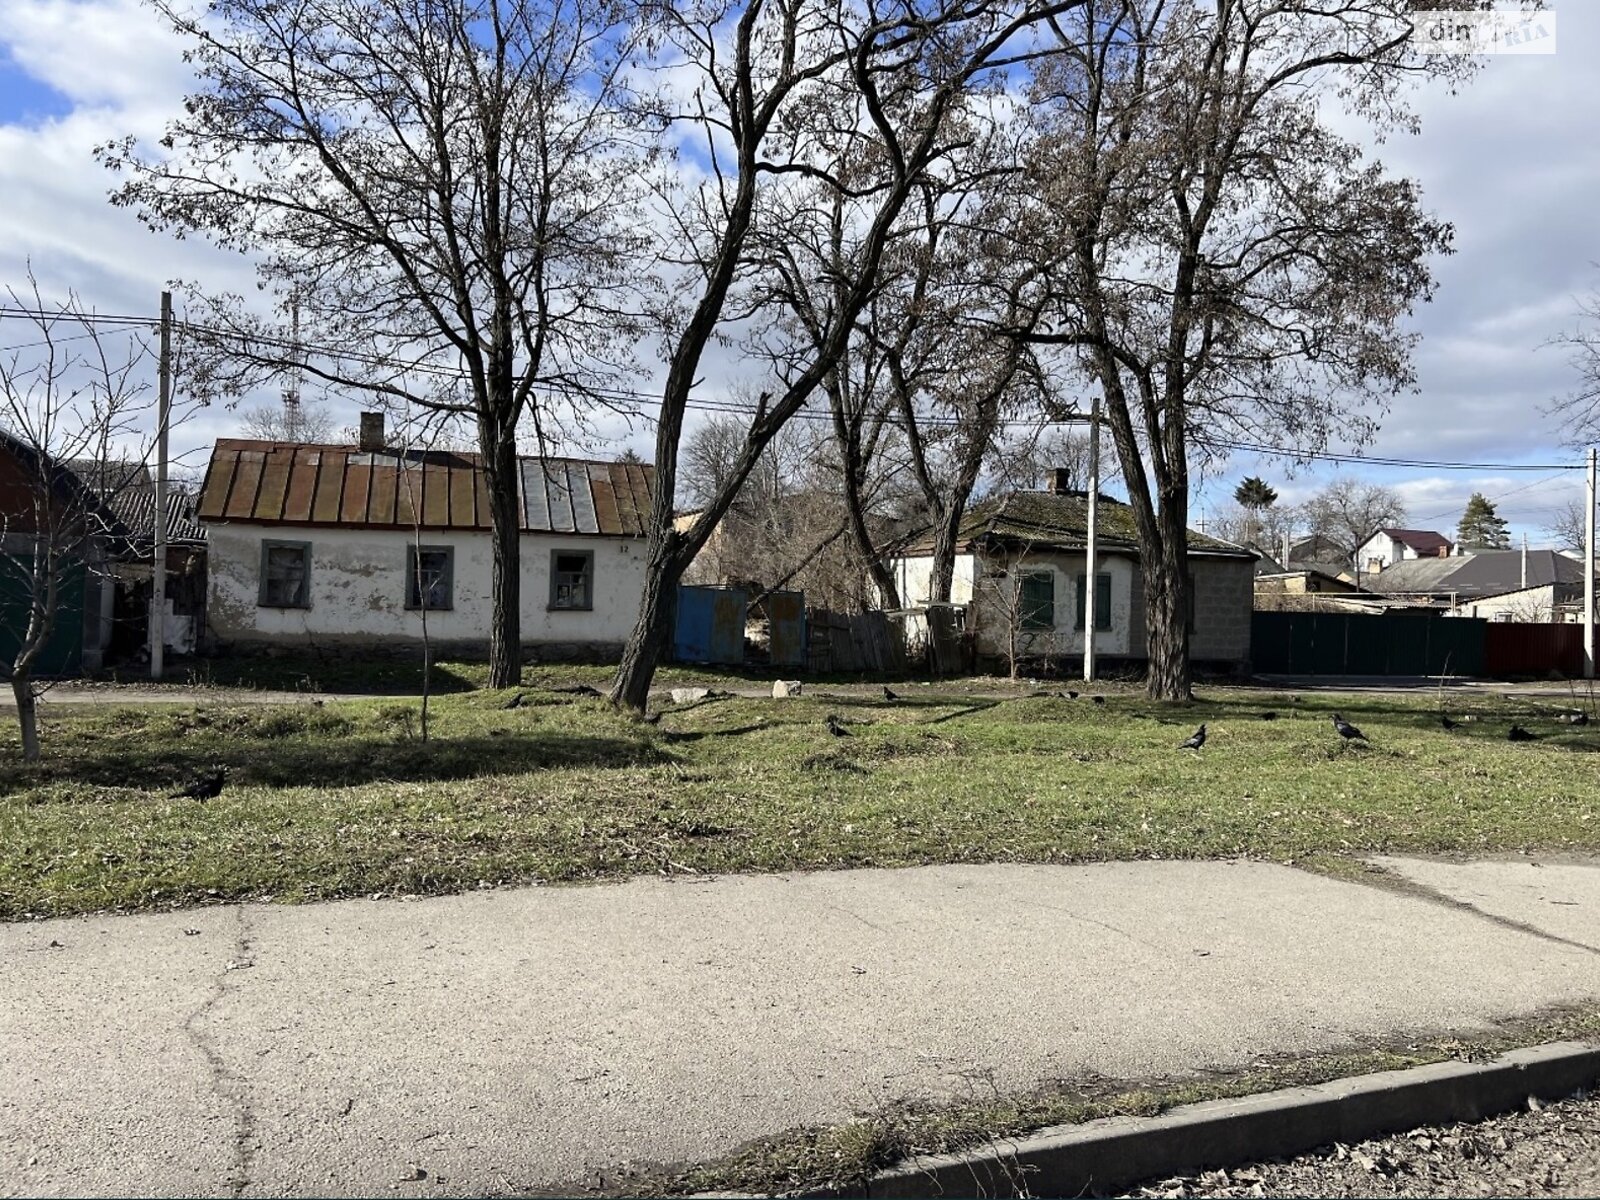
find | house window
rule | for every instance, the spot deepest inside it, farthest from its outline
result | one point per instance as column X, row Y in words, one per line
column 285, row 575
column 1037, row 602
column 572, row 579
column 1102, row 602
column 429, row 577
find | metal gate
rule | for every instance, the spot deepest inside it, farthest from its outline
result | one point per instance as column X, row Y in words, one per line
column 710, row 626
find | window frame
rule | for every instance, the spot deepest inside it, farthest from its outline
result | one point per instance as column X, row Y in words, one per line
column 588, row 580
column 1102, row 612
column 1027, row 620
column 304, row 548
column 413, row 600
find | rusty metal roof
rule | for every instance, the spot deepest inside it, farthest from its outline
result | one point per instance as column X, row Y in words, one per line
column 282, row 483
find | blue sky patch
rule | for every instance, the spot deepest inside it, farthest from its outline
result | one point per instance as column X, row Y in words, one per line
column 24, row 100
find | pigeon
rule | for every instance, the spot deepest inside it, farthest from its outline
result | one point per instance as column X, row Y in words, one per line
column 836, row 726
column 1346, row 730
column 205, row 787
column 1518, row 734
column 1099, row 699
column 889, row 695
column 1269, row 716
column 513, row 701
column 1447, row 724
column 1577, row 718
column 1196, row 740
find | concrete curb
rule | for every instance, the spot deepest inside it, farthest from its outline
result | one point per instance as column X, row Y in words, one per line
column 1116, row 1152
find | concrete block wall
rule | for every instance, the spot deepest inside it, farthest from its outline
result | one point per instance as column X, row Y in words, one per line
column 1224, row 597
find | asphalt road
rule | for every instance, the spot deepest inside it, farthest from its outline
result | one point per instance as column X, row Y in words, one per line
column 510, row 1039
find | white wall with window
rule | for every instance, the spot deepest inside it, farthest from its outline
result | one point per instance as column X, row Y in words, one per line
column 283, row 583
column 1041, row 597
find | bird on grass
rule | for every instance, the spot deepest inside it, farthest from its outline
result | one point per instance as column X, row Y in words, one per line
column 1577, row 718
column 836, row 726
column 1346, row 730
column 1098, row 699
column 1518, row 734
column 1196, row 740
column 207, row 786
column 890, row 696
column 513, row 701
column 1269, row 716
column 1447, row 724
column 1068, row 695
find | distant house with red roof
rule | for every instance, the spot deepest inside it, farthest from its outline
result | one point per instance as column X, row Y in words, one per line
column 1389, row 546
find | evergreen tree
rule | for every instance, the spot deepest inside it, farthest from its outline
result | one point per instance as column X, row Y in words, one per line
column 1480, row 528
column 1255, row 496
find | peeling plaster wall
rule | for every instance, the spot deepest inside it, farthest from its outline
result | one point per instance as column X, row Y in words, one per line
column 992, row 615
column 357, row 588
column 914, row 577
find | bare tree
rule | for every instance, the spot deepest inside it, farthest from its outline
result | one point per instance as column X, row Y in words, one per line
column 1579, row 412
column 1348, row 511
column 1228, row 266
column 771, row 92
column 1028, row 460
column 74, row 436
column 298, row 422
column 440, row 191
column 1567, row 528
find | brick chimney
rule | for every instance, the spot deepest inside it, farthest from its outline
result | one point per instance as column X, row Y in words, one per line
column 372, row 431
column 1060, row 480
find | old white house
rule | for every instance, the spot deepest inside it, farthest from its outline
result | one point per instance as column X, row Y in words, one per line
column 348, row 545
column 1020, row 577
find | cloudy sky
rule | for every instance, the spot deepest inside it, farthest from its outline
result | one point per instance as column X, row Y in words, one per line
column 1512, row 161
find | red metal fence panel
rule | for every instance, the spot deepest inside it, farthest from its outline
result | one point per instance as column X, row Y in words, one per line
column 1515, row 648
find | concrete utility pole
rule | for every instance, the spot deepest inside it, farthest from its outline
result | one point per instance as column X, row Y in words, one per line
column 157, row 621
column 1089, row 547
column 1588, row 571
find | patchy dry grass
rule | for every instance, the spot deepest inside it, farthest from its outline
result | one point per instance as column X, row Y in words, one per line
column 842, row 1158
column 344, row 799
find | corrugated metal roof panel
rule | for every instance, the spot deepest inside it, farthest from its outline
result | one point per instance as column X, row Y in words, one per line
column 286, row 484
column 582, row 496
column 535, row 497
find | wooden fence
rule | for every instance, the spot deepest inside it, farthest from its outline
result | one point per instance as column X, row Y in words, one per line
column 844, row 642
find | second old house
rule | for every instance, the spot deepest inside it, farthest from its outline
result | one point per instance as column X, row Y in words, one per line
column 318, row 547
column 1020, row 580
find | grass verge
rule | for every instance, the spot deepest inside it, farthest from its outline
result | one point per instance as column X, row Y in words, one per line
column 344, row 799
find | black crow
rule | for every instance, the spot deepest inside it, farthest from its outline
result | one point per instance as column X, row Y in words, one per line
column 836, row 726
column 1346, row 730
column 1518, row 734
column 1447, row 724
column 513, row 701
column 888, row 695
column 205, row 787
column 1269, row 716
column 1196, row 740
column 1099, row 699
column 1577, row 718
column 1072, row 695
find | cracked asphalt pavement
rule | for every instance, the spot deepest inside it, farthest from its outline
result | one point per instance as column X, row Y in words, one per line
column 523, row 1038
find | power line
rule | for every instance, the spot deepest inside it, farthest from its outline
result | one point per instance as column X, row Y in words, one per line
column 739, row 408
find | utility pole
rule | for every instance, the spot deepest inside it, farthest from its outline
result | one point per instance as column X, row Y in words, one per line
column 157, row 621
column 1089, row 547
column 1588, row 571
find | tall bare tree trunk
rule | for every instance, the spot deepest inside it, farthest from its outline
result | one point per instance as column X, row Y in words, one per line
column 27, row 717
column 651, row 638
column 505, row 587
column 1167, row 607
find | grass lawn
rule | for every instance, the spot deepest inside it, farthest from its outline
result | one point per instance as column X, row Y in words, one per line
column 344, row 799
